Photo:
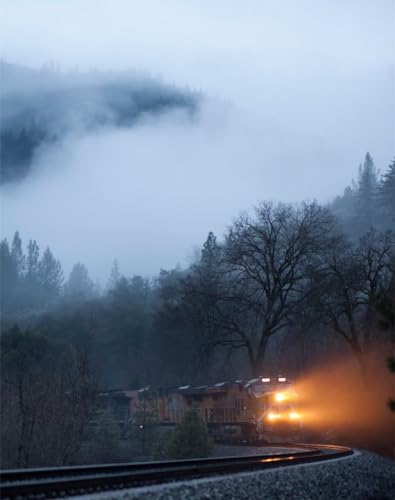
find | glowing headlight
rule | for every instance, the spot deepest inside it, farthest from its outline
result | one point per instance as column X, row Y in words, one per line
column 294, row 415
column 279, row 396
column 271, row 416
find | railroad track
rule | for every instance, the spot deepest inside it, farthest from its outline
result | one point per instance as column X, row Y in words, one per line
column 69, row 481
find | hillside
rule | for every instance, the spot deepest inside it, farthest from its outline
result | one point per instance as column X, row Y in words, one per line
column 41, row 106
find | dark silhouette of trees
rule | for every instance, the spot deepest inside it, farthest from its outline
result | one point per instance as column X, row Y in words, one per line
column 368, row 202
column 28, row 282
column 366, row 195
column 115, row 276
column 351, row 284
column 79, row 286
column 259, row 282
column 386, row 195
column 47, row 397
column 50, row 277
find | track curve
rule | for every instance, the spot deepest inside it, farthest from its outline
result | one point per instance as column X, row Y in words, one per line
column 69, row 481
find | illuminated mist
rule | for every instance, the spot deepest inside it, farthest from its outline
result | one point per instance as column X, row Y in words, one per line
column 337, row 400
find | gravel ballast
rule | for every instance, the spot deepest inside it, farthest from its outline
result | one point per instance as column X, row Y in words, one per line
column 361, row 476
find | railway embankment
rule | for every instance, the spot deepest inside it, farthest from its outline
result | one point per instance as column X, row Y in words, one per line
column 363, row 475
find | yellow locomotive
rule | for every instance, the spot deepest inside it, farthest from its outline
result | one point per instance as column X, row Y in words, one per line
column 261, row 408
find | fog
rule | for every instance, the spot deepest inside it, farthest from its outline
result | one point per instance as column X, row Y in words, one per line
column 336, row 399
column 294, row 94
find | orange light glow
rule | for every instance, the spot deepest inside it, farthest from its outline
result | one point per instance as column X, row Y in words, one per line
column 279, row 396
column 294, row 415
column 271, row 416
column 351, row 404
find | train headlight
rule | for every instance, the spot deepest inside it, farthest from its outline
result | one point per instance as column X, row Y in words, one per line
column 271, row 416
column 294, row 415
column 279, row 396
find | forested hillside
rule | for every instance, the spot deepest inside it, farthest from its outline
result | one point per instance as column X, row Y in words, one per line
column 40, row 107
column 241, row 300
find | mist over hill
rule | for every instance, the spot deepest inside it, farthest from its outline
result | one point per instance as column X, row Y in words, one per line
column 43, row 106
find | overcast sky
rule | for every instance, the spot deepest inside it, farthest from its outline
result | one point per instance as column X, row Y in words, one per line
column 297, row 91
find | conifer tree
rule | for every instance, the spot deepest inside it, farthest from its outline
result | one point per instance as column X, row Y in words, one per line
column 17, row 253
column 32, row 261
column 8, row 277
column 190, row 439
column 50, row 276
column 79, row 285
column 386, row 195
column 366, row 201
column 115, row 276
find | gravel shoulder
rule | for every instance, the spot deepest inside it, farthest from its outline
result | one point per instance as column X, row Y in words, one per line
column 361, row 476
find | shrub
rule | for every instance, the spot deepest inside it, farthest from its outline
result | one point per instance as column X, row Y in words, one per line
column 190, row 438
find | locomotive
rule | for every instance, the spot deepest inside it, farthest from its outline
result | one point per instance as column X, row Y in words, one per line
column 263, row 408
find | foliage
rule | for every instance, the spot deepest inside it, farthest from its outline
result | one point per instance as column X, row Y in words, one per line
column 144, row 427
column 369, row 202
column 104, row 439
column 47, row 396
column 79, row 287
column 28, row 282
column 190, row 438
column 282, row 269
column 48, row 113
column 258, row 282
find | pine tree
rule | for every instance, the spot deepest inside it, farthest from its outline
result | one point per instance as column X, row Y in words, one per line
column 386, row 195
column 50, row 276
column 366, row 195
column 32, row 261
column 8, row 277
column 190, row 439
column 17, row 253
column 115, row 276
column 79, row 285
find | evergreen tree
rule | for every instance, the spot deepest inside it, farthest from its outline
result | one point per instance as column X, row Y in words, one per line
column 79, row 285
column 50, row 276
column 32, row 262
column 386, row 195
column 190, row 439
column 17, row 253
column 115, row 276
column 8, row 277
column 366, row 195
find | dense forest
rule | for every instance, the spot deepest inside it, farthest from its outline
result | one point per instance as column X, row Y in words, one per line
column 287, row 286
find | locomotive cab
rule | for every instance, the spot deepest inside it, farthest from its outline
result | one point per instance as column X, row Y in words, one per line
column 277, row 411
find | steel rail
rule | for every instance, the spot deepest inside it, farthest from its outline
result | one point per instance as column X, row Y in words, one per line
column 68, row 481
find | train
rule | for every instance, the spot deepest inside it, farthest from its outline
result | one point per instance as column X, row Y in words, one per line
column 260, row 409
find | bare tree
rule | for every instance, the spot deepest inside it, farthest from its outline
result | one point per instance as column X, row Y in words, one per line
column 257, row 283
column 350, row 286
column 47, row 397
